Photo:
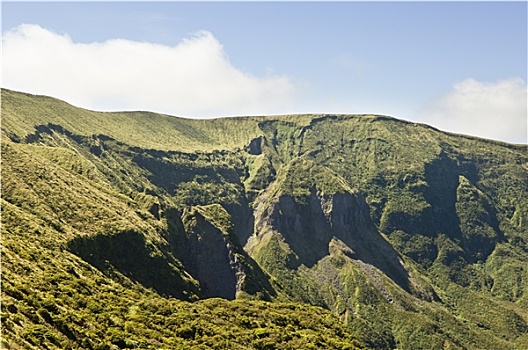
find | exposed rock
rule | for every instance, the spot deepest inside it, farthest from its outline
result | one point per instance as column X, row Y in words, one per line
column 255, row 146
column 213, row 256
column 211, row 259
column 309, row 226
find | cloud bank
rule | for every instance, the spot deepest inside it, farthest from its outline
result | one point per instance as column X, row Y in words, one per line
column 495, row 110
column 193, row 78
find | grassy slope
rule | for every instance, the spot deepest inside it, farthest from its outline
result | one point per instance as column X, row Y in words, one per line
column 51, row 298
column 416, row 180
column 359, row 293
column 22, row 112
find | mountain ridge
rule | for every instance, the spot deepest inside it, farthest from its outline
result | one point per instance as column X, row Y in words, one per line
column 121, row 117
column 377, row 220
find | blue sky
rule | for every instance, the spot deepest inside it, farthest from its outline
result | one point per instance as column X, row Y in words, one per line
column 460, row 66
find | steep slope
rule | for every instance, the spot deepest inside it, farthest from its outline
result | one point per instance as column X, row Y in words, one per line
column 84, row 266
column 381, row 221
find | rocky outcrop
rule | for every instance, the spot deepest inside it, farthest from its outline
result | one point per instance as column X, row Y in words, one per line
column 308, row 225
column 203, row 240
column 255, row 146
column 211, row 259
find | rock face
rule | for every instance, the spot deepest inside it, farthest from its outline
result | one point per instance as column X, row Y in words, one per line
column 309, row 226
column 255, row 146
column 211, row 259
column 202, row 237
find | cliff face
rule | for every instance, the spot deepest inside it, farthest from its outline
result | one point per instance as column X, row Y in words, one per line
column 312, row 230
column 309, row 225
column 203, row 239
column 210, row 258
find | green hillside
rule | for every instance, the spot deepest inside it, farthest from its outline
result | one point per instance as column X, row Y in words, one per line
column 140, row 230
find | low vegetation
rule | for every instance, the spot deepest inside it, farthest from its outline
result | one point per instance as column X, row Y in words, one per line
column 328, row 231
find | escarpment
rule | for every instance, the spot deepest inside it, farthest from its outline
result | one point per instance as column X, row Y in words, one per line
column 210, row 257
column 390, row 233
column 203, row 239
column 309, row 224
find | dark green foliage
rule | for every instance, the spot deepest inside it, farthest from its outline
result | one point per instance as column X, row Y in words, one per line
column 132, row 256
column 421, row 249
column 480, row 227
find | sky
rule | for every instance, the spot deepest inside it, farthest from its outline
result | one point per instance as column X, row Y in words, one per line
column 458, row 66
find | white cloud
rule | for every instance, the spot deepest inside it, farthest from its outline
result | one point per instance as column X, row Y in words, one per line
column 495, row 110
column 193, row 78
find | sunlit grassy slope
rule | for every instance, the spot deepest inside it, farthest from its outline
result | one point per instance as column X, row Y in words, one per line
column 22, row 112
column 116, row 226
column 56, row 208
